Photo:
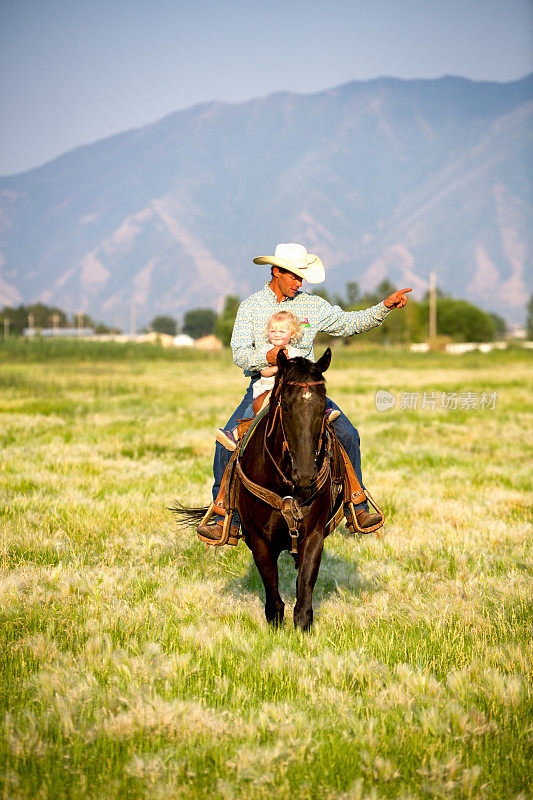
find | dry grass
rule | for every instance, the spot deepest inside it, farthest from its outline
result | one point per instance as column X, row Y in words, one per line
column 134, row 665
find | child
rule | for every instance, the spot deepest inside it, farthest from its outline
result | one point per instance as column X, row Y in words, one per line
column 283, row 329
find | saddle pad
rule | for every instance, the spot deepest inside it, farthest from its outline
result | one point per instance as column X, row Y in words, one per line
column 250, row 432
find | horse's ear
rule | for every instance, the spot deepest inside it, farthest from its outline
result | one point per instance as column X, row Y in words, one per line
column 282, row 359
column 324, row 361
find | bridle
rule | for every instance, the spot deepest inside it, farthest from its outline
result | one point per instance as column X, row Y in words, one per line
column 269, row 429
column 288, row 505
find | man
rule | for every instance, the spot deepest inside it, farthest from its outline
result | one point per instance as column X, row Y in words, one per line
column 290, row 265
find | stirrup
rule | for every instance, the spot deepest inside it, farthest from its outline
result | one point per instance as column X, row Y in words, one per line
column 227, row 537
column 352, row 523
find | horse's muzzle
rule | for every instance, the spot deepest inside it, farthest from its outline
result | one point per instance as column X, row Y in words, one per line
column 304, row 480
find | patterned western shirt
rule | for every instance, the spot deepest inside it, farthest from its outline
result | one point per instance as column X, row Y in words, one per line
column 249, row 340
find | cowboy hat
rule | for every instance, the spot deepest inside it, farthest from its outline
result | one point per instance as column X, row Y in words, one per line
column 296, row 259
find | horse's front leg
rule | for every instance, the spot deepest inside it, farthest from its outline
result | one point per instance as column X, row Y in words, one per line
column 267, row 564
column 309, row 556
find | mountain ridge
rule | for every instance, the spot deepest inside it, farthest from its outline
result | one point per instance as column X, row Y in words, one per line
column 388, row 176
column 457, row 79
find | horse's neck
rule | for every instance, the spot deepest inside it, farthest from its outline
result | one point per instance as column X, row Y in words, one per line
column 256, row 461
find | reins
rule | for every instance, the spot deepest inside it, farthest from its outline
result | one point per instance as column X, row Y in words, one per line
column 270, row 429
column 288, row 506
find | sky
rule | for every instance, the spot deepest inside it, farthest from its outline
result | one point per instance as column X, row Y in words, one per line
column 75, row 71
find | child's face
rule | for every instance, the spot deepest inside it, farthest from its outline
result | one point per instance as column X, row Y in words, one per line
column 279, row 333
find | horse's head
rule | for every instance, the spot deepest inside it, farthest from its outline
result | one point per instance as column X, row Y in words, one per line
column 301, row 392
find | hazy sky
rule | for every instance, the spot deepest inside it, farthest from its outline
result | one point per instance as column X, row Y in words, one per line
column 73, row 71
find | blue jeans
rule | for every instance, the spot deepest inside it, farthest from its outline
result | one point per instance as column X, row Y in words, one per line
column 348, row 437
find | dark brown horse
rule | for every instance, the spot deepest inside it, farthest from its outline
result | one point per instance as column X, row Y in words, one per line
column 284, row 485
column 287, row 457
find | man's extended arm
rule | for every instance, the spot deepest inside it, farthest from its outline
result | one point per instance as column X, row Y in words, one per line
column 337, row 322
column 345, row 323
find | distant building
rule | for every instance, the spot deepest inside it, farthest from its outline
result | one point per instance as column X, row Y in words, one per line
column 183, row 340
column 468, row 347
column 208, row 343
column 64, row 333
column 164, row 339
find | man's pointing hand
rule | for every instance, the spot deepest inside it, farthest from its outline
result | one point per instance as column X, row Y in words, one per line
column 397, row 299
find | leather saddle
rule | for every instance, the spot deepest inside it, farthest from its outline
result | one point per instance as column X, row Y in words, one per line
column 344, row 481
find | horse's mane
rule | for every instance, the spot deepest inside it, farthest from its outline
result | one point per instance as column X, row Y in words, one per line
column 300, row 369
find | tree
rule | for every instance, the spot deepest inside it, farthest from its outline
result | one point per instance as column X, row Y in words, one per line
column 461, row 320
column 382, row 290
column 43, row 317
column 82, row 320
column 101, row 327
column 529, row 319
column 226, row 320
column 438, row 291
column 500, row 325
column 398, row 326
column 86, row 321
column 163, row 324
column 199, row 322
column 352, row 294
column 321, row 291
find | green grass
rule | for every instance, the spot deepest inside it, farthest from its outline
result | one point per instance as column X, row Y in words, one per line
column 136, row 665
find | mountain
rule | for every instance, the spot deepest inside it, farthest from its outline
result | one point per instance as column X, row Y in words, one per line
column 389, row 177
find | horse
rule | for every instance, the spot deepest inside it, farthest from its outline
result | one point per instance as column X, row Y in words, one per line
column 285, row 493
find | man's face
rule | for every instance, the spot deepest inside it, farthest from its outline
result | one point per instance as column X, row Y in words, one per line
column 287, row 282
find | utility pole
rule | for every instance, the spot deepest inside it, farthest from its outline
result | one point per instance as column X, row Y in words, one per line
column 80, row 318
column 55, row 323
column 432, row 305
column 31, row 323
column 6, row 327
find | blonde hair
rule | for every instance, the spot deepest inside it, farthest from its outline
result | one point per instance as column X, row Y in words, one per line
column 294, row 322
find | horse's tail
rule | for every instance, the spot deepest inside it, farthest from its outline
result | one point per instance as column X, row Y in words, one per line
column 187, row 517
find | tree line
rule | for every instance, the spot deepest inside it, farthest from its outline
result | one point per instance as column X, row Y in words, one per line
column 43, row 316
column 197, row 322
column 457, row 319
column 200, row 322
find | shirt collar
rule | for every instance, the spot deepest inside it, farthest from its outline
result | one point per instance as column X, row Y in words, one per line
column 273, row 295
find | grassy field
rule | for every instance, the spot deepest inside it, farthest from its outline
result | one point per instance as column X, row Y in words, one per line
column 136, row 665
